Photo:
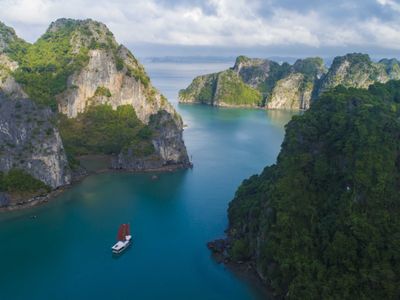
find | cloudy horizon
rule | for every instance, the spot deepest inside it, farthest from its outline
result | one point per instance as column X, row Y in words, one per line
column 225, row 28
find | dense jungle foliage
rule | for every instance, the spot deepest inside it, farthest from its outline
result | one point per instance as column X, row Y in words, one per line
column 324, row 221
column 16, row 180
column 102, row 130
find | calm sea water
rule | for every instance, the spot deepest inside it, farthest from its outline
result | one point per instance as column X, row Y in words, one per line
column 64, row 253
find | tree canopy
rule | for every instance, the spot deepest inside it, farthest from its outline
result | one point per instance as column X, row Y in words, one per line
column 323, row 222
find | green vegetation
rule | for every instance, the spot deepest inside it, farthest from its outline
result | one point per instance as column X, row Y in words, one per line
column 240, row 250
column 10, row 40
column 392, row 67
column 17, row 181
column 119, row 63
column 276, row 73
column 310, row 67
column 242, row 59
column 354, row 58
column 323, row 223
column 232, row 90
column 102, row 130
column 263, row 76
column 46, row 65
column 249, row 83
column 202, row 89
column 263, row 73
column 361, row 72
column 102, row 91
column 139, row 74
column 207, row 92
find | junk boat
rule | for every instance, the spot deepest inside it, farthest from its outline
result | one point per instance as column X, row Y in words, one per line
column 123, row 239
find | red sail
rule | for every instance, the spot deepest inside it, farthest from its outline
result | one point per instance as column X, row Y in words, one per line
column 128, row 229
column 121, row 233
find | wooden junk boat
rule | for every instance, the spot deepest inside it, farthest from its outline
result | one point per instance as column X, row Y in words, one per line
column 124, row 239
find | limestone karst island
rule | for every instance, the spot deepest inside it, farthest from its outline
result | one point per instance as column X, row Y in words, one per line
column 183, row 149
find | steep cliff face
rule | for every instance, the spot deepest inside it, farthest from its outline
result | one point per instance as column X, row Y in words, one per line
column 256, row 82
column 287, row 86
column 170, row 150
column 114, row 77
column 323, row 221
column 75, row 66
column 246, row 84
column 353, row 70
column 221, row 89
column 201, row 90
column 30, row 142
column 8, row 85
column 392, row 67
column 8, row 40
column 260, row 74
column 295, row 90
column 117, row 71
column 291, row 92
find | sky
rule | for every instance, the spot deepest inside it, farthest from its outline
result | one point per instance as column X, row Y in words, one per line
column 225, row 27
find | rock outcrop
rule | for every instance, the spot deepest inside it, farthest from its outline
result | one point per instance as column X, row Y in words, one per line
column 29, row 141
column 244, row 85
column 258, row 83
column 128, row 85
column 296, row 89
column 392, row 67
column 170, row 148
column 291, row 92
column 113, row 76
column 75, row 65
column 8, row 37
column 323, row 221
column 273, row 86
column 221, row 89
column 354, row 70
column 8, row 85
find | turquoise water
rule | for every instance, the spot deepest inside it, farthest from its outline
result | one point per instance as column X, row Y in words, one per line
column 65, row 252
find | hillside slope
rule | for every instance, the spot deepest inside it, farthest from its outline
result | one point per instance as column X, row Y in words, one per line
column 264, row 83
column 323, row 222
column 101, row 100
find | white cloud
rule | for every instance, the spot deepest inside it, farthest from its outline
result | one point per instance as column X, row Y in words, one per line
column 390, row 3
column 230, row 23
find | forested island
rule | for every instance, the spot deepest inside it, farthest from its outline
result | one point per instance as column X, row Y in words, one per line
column 263, row 83
column 76, row 92
column 323, row 222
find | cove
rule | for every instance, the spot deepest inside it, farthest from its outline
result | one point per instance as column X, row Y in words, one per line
column 64, row 253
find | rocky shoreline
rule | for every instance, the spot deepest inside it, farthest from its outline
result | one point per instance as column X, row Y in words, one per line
column 107, row 104
column 45, row 198
column 225, row 105
column 246, row 270
column 274, row 85
column 229, row 106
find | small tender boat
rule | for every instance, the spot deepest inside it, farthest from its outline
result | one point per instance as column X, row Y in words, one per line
column 123, row 239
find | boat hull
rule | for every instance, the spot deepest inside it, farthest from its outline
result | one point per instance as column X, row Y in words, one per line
column 121, row 250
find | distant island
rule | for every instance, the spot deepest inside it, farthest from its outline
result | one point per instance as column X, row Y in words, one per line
column 324, row 220
column 77, row 92
column 264, row 83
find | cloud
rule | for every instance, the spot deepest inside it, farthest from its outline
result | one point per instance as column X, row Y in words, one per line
column 390, row 3
column 221, row 23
